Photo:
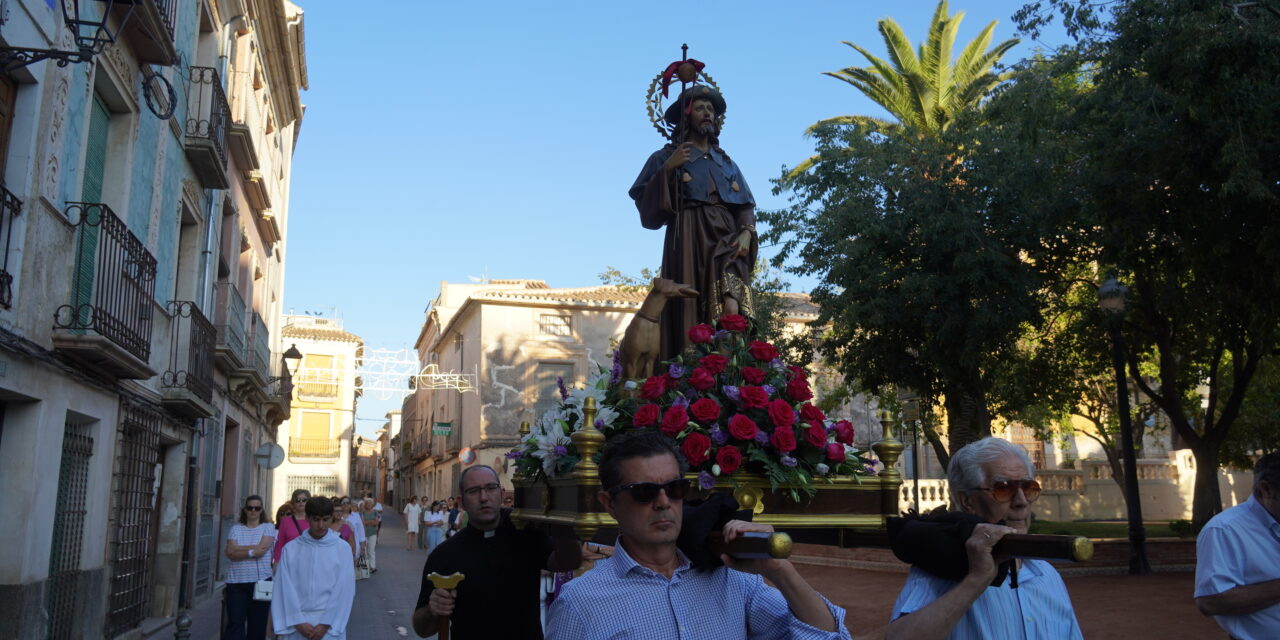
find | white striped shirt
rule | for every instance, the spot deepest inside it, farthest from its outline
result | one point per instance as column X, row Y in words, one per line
column 1039, row 608
column 253, row 569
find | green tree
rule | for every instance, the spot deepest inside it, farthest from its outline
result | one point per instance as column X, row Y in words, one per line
column 923, row 89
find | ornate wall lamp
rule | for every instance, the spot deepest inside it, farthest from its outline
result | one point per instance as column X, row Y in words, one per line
column 92, row 35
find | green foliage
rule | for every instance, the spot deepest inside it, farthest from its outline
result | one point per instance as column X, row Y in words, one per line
column 627, row 282
column 1257, row 430
column 1183, row 528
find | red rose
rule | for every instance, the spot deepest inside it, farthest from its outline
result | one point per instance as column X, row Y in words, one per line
column 700, row 333
column 844, row 432
column 645, row 415
column 705, row 410
column 835, row 452
column 653, row 388
column 743, row 428
column 783, row 440
column 752, row 375
column 798, row 372
column 753, row 397
column 781, row 413
column 762, row 351
column 701, row 379
column 733, row 322
column 816, row 436
column 812, row 414
column 674, row 420
column 696, row 448
column 798, row 390
column 714, row 363
column 729, row 459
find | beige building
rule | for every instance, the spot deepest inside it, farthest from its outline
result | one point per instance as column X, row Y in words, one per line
column 319, row 434
column 365, row 458
column 140, row 288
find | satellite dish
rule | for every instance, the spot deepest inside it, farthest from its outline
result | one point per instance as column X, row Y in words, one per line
column 269, row 455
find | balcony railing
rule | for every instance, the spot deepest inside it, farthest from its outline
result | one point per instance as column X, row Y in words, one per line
column 190, row 373
column 229, row 324
column 150, row 30
column 114, row 285
column 258, row 358
column 313, row 448
column 10, row 208
column 207, row 119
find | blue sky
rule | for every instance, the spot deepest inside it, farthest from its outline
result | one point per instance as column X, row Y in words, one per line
column 444, row 141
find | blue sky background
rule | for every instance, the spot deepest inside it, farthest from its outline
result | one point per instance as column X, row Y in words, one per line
column 444, row 141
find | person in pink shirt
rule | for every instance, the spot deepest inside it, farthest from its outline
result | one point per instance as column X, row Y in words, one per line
column 291, row 526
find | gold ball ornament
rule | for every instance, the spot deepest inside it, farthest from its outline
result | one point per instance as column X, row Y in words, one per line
column 687, row 72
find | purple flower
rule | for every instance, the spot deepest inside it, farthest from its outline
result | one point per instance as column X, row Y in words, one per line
column 561, row 450
column 720, row 333
column 762, row 437
column 718, row 435
column 732, row 392
column 599, row 423
column 789, row 461
column 706, row 481
column 564, row 391
column 615, row 374
column 680, row 401
column 512, row 455
column 821, row 469
column 776, row 363
column 768, row 388
column 675, row 371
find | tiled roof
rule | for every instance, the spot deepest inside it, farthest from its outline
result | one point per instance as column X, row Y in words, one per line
column 319, row 333
column 593, row 296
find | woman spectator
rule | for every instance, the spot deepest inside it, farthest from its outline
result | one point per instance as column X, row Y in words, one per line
column 412, row 518
column 341, row 527
column 436, row 521
column 372, row 520
column 248, row 545
column 292, row 525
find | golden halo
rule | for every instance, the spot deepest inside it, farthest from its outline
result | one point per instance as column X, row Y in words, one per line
column 653, row 103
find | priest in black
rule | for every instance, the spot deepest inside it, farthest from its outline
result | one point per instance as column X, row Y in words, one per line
column 503, row 565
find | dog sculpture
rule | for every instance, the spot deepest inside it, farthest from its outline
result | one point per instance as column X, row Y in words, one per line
column 642, row 341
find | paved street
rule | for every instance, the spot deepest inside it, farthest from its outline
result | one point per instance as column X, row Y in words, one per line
column 384, row 603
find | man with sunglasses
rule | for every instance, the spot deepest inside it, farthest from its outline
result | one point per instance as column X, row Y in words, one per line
column 648, row 588
column 1238, row 560
column 993, row 479
column 499, row 595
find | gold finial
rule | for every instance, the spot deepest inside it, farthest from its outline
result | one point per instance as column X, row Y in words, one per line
column 888, row 449
column 587, row 439
column 524, row 429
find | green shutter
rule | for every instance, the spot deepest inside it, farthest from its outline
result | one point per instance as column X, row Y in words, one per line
column 95, row 161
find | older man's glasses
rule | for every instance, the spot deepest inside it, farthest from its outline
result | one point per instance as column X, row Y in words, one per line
column 646, row 492
column 490, row 489
column 1004, row 490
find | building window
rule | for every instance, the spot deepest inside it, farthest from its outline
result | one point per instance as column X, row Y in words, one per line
column 544, row 384
column 554, row 325
column 316, row 485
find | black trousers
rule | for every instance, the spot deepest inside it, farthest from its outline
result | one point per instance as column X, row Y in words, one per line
column 246, row 617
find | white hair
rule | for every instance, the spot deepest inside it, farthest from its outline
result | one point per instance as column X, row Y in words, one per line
column 965, row 472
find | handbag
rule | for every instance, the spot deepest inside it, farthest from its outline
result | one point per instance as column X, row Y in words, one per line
column 262, row 590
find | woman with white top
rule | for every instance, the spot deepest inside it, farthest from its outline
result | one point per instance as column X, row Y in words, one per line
column 412, row 516
column 249, row 546
column 436, row 520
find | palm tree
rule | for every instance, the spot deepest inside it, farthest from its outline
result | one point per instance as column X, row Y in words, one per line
column 923, row 90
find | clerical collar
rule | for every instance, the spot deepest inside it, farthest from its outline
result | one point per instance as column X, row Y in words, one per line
column 489, row 533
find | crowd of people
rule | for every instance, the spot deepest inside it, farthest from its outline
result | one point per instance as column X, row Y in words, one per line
column 647, row 587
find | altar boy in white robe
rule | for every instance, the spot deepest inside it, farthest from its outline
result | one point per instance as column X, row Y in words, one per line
column 315, row 581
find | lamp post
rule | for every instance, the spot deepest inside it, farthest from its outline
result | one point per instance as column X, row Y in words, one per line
column 90, row 32
column 1111, row 298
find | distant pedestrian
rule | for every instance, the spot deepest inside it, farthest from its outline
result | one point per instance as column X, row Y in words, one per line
column 293, row 525
column 315, row 584
column 454, row 512
column 249, row 545
column 412, row 520
column 435, row 521
column 342, row 527
column 1238, row 560
column 357, row 525
column 372, row 520
column 422, row 527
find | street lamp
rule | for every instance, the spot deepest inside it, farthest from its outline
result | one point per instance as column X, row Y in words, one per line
column 91, row 35
column 1111, row 298
column 292, row 358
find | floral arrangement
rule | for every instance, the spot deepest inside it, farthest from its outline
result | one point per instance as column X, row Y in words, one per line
column 728, row 401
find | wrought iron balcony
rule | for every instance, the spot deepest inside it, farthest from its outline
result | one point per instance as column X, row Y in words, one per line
column 257, row 364
column 207, row 119
column 228, row 318
column 279, row 394
column 313, row 448
column 108, row 323
column 10, row 208
column 150, row 31
column 188, row 382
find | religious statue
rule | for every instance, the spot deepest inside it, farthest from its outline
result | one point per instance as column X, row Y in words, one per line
column 694, row 189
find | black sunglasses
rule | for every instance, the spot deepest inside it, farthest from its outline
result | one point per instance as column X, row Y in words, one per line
column 253, row 508
column 646, row 492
